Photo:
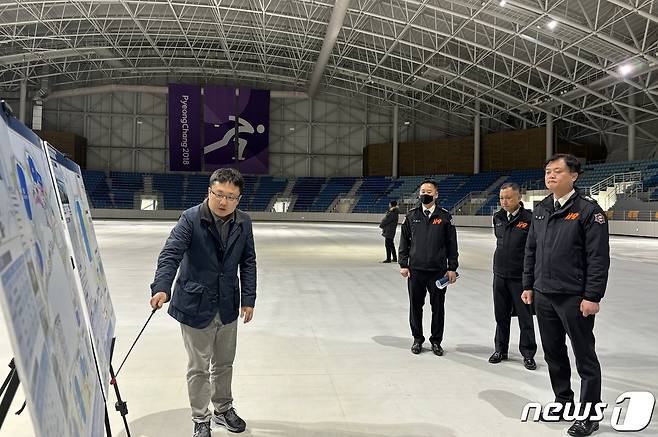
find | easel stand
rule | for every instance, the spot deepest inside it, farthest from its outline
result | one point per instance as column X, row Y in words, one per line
column 10, row 386
column 8, row 391
column 121, row 406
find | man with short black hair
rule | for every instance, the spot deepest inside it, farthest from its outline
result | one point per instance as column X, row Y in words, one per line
column 567, row 258
column 511, row 225
column 389, row 226
column 210, row 242
column 428, row 252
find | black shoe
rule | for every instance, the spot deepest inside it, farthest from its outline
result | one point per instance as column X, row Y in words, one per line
column 583, row 428
column 529, row 363
column 437, row 349
column 416, row 347
column 386, row 261
column 497, row 357
column 230, row 420
column 201, row 429
column 395, row 260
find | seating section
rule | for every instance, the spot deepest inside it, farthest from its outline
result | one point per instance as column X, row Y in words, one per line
column 170, row 185
column 124, row 187
column 334, row 188
column 197, row 190
column 463, row 186
column 318, row 194
column 598, row 172
column 370, row 191
column 267, row 188
column 98, row 192
column 306, row 190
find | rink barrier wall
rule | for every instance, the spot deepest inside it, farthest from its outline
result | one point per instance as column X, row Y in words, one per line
column 617, row 227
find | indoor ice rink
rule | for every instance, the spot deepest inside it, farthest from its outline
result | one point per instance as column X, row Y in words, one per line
column 355, row 125
column 327, row 353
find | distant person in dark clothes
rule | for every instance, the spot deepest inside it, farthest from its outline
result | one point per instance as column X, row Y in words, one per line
column 389, row 226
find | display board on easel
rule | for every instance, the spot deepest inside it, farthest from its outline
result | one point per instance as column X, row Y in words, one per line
column 40, row 291
column 77, row 216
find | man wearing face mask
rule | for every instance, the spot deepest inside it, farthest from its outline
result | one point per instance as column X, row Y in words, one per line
column 428, row 251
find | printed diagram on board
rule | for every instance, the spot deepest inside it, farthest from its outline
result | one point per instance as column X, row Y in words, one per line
column 87, row 257
column 39, row 296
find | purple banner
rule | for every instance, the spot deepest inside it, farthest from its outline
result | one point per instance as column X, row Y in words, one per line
column 229, row 111
column 184, row 127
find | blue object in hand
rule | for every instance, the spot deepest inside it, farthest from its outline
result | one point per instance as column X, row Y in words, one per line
column 444, row 281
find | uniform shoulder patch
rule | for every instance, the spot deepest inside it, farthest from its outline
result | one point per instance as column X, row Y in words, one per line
column 599, row 218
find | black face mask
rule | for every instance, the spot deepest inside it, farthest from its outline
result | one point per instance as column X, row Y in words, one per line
column 426, row 199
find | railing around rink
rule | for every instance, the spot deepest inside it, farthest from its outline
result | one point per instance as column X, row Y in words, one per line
column 633, row 216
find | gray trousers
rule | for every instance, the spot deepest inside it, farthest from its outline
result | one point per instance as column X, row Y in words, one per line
column 210, row 352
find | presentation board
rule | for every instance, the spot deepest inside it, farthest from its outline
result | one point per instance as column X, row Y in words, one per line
column 77, row 216
column 39, row 295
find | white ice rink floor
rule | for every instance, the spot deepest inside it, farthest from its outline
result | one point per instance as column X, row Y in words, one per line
column 327, row 354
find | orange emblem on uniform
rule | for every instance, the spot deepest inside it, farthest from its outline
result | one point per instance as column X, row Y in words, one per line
column 522, row 225
column 572, row 216
column 437, row 221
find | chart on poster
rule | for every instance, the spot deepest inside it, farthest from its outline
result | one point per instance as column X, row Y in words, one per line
column 77, row 216
column 39, row 294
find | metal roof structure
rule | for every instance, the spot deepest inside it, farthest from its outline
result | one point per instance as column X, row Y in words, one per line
column 591, row 64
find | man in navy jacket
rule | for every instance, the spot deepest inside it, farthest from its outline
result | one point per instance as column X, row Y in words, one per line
column 210, row 242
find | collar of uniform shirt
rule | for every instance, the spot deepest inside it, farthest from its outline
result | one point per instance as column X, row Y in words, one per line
column 513, row 214
column 566, row 197
column 431, row 210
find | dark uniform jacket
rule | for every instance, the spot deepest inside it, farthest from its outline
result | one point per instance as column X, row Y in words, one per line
column 511, row 237
column 428, row 244
column 568, row 250
column 208, row 278
column 389, row 223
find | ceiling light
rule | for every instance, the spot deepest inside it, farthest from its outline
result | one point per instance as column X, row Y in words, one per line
column 502, row 3
column 407, row 123
column 552, row 24
column 625, row 69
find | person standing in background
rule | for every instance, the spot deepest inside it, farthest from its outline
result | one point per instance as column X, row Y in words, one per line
column 389, row 226
column 511, row 225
